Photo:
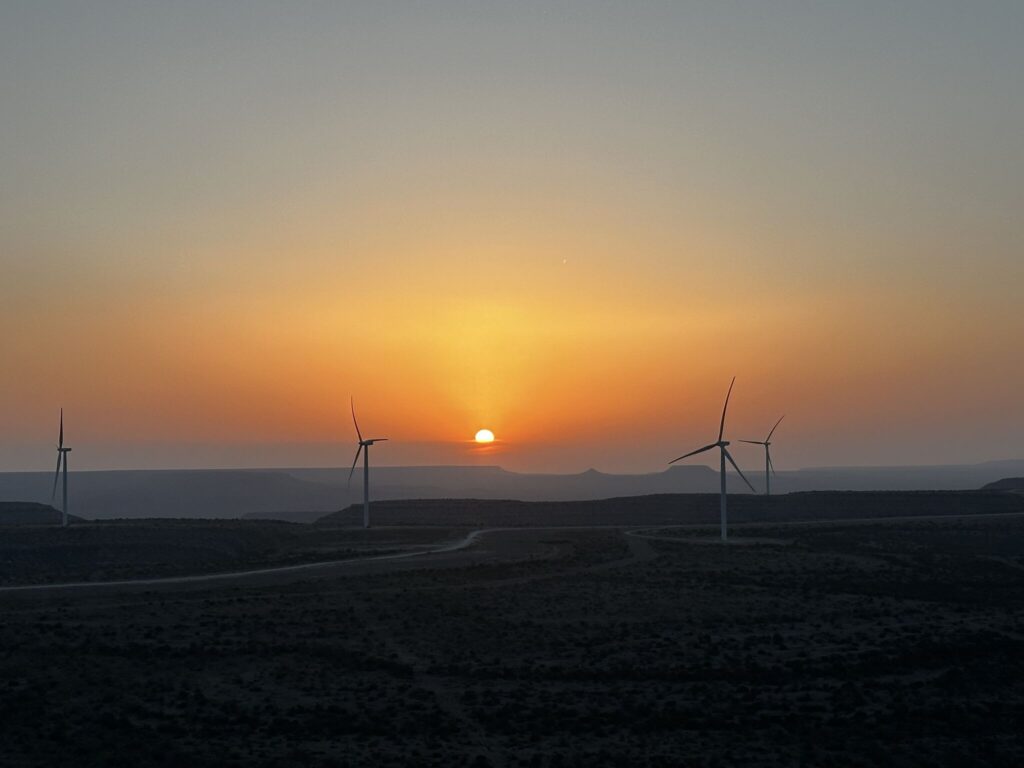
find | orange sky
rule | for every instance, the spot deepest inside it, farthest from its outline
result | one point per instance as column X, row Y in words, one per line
column 204, row 261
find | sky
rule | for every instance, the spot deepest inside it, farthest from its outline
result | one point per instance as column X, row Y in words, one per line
column 572, row 223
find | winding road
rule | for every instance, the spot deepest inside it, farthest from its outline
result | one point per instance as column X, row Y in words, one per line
column 427, row 557
column 463, row 543
column 435, row 556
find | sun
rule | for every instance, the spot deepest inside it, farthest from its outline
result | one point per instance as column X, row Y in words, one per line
column 485, row 436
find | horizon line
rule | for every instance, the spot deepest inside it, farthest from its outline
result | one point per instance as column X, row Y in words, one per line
column 672, row 468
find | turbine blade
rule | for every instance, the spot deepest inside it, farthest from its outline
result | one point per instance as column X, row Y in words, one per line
column 773, row 428
column 769, row 454
column 729, row 457
column 60, row 442
column 721, row 427
column 354, row 462
column 352, row 402
column 56, row 477
column 694, row 453
column 752, row 442
column 378, row 440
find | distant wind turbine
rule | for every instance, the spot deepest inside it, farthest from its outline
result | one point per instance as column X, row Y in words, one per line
column 62, row 461
column 768, row 467
column 364, row 447
column 721, row 444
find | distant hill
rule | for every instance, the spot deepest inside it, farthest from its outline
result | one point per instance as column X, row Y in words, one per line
column 31, row 513
column 304, row 494
column 497, row 483
column 1006, row 484
column 669, row 509
column 174, row 493
column 296, row 516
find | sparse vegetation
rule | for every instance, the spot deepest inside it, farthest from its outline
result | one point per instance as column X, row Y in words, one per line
column 892, row 642
column 112, row 550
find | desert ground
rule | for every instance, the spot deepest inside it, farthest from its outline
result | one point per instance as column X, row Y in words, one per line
column 846, row 642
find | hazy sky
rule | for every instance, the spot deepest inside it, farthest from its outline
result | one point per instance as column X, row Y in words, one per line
column 569, row 222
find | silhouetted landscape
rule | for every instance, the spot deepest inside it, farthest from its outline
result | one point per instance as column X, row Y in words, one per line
column 813, row 638
column 1015, row 484
column 303, row 495
column 32, row 550
column 30, row 513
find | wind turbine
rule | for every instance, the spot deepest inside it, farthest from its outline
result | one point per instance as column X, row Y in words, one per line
column 721, row 444
column 768, row 467
column 62, row 459
column 364, row 447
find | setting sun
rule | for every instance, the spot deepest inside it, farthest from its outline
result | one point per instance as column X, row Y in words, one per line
column 485, row 436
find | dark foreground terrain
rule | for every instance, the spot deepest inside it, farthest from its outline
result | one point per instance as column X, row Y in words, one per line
column 111, row 550
column 126, row 549
column 886, row 642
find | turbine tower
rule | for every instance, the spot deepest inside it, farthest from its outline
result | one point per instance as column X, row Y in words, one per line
column 769, row 468
column 62, row 461
column 364, row 447
column 724, row 454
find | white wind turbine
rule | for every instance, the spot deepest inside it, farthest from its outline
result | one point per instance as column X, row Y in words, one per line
column 721, row 444
column 769, row 468
column 62, row 461
column 364, row 447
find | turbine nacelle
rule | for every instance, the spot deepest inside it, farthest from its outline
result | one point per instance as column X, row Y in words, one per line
column 769, row 468
column 363, row 448
column 721, row 444
column 62, row 469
